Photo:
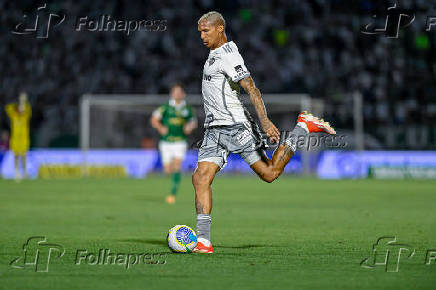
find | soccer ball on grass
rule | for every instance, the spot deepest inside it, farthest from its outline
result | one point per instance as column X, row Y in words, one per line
column 181, row 239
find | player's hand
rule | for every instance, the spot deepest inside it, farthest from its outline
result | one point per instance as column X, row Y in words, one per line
column 189, row 127
column 271, row 131
column 163, row 130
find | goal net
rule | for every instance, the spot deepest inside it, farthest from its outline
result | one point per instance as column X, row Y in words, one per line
column 123, row 121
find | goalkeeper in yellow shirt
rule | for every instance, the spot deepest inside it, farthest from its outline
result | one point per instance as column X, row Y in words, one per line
column 19, row 114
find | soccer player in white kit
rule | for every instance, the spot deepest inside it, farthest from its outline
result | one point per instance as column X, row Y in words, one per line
column 228, row 128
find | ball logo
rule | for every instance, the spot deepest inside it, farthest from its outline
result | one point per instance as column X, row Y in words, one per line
column 185, row 237
column 182, row 239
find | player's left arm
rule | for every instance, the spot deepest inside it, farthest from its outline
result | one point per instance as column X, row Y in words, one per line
column 268, row 127
column 10, row 109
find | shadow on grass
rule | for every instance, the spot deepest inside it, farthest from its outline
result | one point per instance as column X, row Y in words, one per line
column 242, row 247
column 160, row 242
column 163, row 242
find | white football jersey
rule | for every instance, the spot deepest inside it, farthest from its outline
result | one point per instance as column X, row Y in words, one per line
column 222, row 71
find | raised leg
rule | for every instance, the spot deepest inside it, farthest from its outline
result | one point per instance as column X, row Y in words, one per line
column 268, row 170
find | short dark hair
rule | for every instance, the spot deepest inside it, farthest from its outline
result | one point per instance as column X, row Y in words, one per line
column 177, row 84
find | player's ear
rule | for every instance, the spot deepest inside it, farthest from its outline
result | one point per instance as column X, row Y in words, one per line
column 220, row 28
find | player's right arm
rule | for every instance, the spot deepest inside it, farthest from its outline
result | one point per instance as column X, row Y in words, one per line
column 156, row 123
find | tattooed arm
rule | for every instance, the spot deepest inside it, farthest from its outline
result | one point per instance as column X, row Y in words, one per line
column 268, row 127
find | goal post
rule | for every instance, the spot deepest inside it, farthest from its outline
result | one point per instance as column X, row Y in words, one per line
column 118, row 121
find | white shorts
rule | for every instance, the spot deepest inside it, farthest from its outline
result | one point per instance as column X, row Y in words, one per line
column 170, row 150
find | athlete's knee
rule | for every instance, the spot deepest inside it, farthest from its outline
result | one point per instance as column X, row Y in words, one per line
column 167, row 169
column 270, row 175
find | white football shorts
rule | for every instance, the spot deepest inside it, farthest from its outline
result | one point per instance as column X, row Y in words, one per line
column 170, row 150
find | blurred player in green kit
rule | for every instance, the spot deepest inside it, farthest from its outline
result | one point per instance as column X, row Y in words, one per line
column 174, row 120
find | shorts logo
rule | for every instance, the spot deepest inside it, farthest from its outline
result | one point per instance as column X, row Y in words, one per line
column 243, row 138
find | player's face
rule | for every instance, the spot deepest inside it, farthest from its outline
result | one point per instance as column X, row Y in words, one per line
column 177, row 93
column 209, row 33
column 22, row 98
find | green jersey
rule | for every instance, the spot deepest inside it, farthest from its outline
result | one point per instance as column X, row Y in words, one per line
column 174, row 117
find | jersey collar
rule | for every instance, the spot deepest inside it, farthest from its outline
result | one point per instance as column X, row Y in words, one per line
column 216, row 49
column 173, row 104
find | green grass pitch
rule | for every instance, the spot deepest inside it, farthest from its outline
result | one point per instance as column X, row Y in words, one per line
column 292, row 234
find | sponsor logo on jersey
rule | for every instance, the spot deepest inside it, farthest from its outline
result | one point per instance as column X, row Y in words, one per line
column 207, row 77
column 239, row 69
column 176, row 121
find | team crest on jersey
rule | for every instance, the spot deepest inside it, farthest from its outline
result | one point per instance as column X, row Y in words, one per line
column 211, row 61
